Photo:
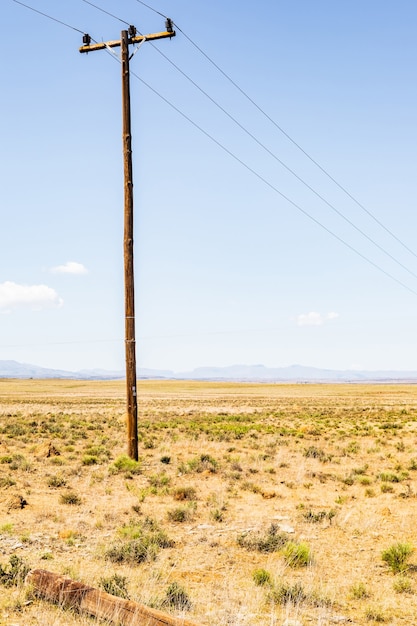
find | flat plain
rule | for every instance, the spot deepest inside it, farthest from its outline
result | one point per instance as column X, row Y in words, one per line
column 250, row 503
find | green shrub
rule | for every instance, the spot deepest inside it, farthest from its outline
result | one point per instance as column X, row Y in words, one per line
column 70, row 498
column 359, row 591
column 159, row 480
column 90, row 459
column 141, row 542
column 56, row 481
column 284, row 593
column 262, row 577
column 185, row 493
column 14, row 572
column 180, row 514
column 297, row 554
column 403, row 585
column 396, row 556
column 124, row 464
column 116, row 585
column 271, row 541
column 176, row 597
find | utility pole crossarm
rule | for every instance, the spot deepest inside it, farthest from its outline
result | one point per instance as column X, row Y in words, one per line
column 132, row 40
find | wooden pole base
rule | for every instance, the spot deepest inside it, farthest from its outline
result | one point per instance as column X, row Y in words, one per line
column 75, row 595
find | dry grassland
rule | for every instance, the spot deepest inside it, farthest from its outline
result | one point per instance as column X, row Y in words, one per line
column 251, row 504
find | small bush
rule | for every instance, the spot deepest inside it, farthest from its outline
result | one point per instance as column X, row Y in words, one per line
column 403, row 585
column 56, row 481
column 165, row 459
column 124, row 464
column 359, row 591
column 159, row 480
column 389, row 477
column 375, row 615
column 116, row 585
column 297, row 554
column 90, row 459
column 272, row 541
column 176, row 597
column 185, row 493
column 386, row 488
column 14, row 573
column 314, row 518
column 180, row 514
column 143, row 543
column 70, row 498
column 262, row 577
column 283, row 594
column 396, row 556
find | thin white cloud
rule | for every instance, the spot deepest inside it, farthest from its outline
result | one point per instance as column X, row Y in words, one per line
column 35, row 297
column 70, row 267
column 315, row 319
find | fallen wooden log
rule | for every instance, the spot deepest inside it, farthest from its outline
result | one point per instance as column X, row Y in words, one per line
column 75, row 595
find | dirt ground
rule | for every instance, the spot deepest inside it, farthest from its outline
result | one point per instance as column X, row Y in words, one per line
column 250, row 504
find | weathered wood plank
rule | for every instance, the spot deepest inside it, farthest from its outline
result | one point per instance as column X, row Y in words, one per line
column 69, row 593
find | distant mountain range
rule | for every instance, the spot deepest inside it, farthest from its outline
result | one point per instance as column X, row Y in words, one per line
column 243, row 373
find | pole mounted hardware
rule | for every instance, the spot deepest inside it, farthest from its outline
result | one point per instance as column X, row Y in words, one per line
column 128, row 37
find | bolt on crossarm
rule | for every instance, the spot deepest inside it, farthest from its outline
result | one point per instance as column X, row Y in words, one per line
column 127, row 38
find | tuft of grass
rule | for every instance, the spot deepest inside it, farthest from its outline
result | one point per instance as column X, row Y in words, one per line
column 285, row 593
column 396, row 556
column 180, row 514
column 159, row 480
column 374, row 614
column 314, row 518
column 90, row 459
column 297, row 554
column 126, row 465
column 262, row 577
column 13, row 573
column 141, row 542
column 403, row 585
column 116, row 585
column 202, row 463
column 184, row 493
column 176, row 597
column 56, row 481
column 271, row 541
column 70, row 498
column 358, row 591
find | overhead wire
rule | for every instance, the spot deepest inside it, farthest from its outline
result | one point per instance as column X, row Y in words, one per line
column 287, row 135
column 282, row 163
column 262, row 145
column 235, row 157
column 106, row 12
column 271, row 186
column 54, row 19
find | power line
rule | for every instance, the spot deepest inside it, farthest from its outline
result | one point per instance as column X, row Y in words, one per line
column 236, row 158
column 258, row 142
column 252, row 136
column 151, row 8
column 297, row 145
column 271, row 186
column 54, row 19
column 283, row 164
column 287, row 135
column 106, row 12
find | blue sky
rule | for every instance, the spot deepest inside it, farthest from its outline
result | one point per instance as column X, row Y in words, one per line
column 227, row 270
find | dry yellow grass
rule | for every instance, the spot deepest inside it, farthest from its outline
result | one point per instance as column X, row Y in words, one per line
column 333, row 466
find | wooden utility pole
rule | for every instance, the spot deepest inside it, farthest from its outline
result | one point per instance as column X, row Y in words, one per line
column 127, row 38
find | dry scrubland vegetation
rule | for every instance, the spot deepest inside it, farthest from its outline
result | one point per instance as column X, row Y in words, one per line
column 251, row 504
